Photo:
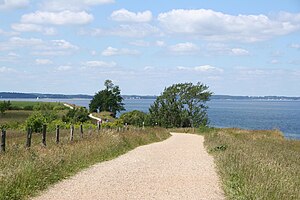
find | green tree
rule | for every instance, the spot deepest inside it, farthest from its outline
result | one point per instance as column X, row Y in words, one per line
column 109, row 99
column 181, row 105
column 35, row 121
column 5, row 105
column 76, row 115
column 136, row 118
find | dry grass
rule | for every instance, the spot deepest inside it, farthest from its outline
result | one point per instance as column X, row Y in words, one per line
column 24, row 172
column 256, row 164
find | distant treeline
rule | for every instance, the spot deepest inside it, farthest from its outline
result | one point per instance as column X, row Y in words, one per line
column 253, row 97
column 16, row 95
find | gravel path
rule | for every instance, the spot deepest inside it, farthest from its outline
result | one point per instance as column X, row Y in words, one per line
column 177, row 168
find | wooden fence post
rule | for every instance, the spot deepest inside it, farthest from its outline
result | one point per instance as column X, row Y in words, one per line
column 57, row 134
column 72, row 133
column 3, row 138
column 81, row 130
column 44, row 134
column 29, row 135
column 98, row 126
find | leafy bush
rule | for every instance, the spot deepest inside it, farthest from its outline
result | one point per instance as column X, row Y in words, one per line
column 135, row 118
column 5, row 105
column 28, row 107
column 35, row 122
column 43, row 106
column 119, row 123
column 76, row 115
column 59, row 107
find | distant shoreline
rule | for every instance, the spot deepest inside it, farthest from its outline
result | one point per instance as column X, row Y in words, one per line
column 16, row 95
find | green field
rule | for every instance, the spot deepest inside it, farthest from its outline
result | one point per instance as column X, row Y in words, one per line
column 255, row 164
column 18, row 116
column 21, row 110
column 21, row 105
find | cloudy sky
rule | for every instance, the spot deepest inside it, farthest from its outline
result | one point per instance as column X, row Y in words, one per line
column 235, row 47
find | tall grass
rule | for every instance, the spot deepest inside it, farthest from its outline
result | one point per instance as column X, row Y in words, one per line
column 256, row 164
column 14, row 116
column 24, row 172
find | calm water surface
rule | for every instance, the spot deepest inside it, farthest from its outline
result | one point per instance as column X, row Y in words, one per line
column 248, row 114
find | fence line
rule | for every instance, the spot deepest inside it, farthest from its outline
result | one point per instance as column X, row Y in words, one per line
column 57, row 134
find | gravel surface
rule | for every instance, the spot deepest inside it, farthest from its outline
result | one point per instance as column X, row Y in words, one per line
column 177, row 168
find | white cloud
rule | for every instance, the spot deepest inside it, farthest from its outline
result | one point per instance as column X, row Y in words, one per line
column 208, row 68
column 110, row 51
column 6, row 69
column 13, row 4
column 40, row 47
column 217, row 26
column 255, row 73
column 140, row 43
column 55, row 48
column 43, row 62
column 295, row 46
column 64, row 68
column 74, row 5
column 99, row 63
column 128, row 30
column 24, row 42
column 202, row 68
column 63, row 44
column 184, row 48
column 50, row 53
column 160, row 43
column 239, row 52
column 10, row 57
column 33, row 28
column 274, row 61
column 149, row 68
column 13, row 54
column 17, row 42
column 6, row 33
column 57, row 18
column 124, row 15
column 223, row 49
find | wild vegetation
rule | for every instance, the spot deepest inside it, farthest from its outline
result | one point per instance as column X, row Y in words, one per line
column 109, row 99
column 255, row 164
column 181, row 105
column 24, row 172
column 251, row 164
column 17, row 113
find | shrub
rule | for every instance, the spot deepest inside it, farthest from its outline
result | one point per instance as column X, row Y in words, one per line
column 135, row 118
column 76, row 115
column 35, row 122
column 119, row 123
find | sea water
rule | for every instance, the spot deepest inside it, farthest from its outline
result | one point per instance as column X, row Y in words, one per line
column 247, row 114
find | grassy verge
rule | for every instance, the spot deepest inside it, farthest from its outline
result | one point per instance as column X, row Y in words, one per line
column 30, row 104
column 24, row 172
column 255, row 164
column 14, row 116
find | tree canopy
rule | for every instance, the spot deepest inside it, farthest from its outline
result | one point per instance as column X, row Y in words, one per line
column 5, row 105
column 135, row 117
column 109, row 99
column 181, row 105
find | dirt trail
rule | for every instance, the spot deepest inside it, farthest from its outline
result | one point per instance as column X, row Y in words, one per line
column 177, row 168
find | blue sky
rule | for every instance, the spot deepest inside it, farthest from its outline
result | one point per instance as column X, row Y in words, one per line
column 235, row 47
